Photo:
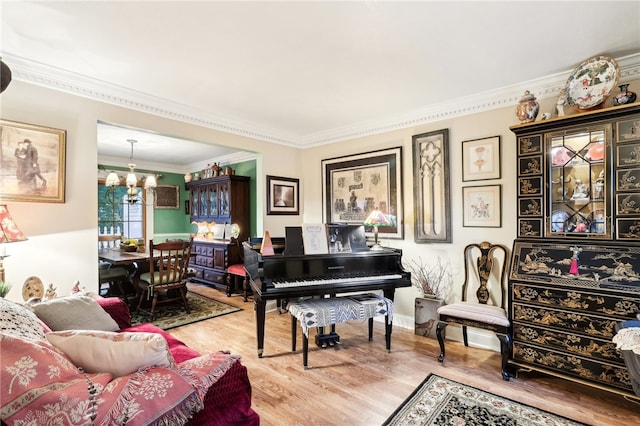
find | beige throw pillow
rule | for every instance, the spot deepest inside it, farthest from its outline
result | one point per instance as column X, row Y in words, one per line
column 75, row 313
column 116, row 353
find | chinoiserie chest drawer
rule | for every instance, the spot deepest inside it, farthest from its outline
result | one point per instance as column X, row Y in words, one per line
column 570, row 331
column 578, row 309
column 575, row 343
column 586, row 369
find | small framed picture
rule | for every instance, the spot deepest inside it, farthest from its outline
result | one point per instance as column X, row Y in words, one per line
column 481, row 159
column 167, row 197
column 482, row 206
column 283, row 195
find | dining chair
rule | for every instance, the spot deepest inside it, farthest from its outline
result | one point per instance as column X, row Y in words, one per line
column 168, row 274
column 236, row 271
column 485, row 269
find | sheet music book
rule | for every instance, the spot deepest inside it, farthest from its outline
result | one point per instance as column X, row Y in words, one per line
column 314, row 237
column 365, row 299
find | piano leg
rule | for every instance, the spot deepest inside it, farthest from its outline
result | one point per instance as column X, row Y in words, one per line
column 305, row 350
column 260, row 308
column 294, row 332
column 387, row 335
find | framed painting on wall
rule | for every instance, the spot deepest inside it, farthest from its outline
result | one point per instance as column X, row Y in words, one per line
column 481, row 159
column 482, row 206
column 32, row 160
column 167, row 197
column 355, row 185
column 283, row 195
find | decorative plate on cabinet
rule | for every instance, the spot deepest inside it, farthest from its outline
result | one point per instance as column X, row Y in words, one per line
column 32, row 287
column 592, row 81
column 559, row 220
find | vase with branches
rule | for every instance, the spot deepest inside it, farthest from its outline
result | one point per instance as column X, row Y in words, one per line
column 431, row 279
column 434, row 282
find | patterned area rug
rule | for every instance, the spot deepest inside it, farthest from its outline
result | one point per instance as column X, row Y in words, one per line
column 440, row 401
column 173, row 315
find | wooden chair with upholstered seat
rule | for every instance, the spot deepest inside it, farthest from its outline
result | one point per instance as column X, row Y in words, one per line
column 485, row 267
column 236, row 271
column 168, row 274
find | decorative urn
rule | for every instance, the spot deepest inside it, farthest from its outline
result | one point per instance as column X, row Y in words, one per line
column 528, row 108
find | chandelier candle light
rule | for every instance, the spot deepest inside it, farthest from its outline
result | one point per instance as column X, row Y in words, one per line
column 9, row 233
column 132, row 180
column 376, row 219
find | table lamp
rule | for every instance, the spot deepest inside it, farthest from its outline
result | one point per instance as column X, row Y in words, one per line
column 376, row 219
column 9, row 233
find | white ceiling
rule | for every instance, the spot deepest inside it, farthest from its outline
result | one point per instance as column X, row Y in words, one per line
column 303, row 73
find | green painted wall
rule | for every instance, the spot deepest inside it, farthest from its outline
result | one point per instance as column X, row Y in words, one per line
column 248, row 168
column 172, row 221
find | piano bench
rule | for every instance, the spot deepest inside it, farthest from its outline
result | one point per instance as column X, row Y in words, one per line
column 333, row 310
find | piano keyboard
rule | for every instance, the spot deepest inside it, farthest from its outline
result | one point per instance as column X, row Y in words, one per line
column 345, row 280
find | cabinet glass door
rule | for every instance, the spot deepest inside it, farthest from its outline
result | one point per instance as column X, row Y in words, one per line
column 213, row 200
column 202, row 201
column 578, row 183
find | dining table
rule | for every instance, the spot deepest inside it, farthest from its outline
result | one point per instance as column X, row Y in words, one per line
column 119, row 257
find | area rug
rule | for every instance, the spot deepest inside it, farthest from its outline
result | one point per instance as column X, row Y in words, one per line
column 440, row 401
column 173, row 315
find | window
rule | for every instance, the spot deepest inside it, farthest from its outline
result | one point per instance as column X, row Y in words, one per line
column 117, row 216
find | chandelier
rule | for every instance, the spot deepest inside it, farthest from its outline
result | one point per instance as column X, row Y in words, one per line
column 131, row 181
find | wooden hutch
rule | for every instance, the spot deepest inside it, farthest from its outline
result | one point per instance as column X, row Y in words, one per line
column 223, row 200
column 575, row 268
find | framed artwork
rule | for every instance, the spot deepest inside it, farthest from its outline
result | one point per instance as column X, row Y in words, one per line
column 482, row 206
column 167, row 197
column 354, row 185
column 283, row 195
column 32, row 160
column 481, row 159
column 431, row 192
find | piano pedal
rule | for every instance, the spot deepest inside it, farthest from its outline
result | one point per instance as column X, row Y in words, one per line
column 327, row 340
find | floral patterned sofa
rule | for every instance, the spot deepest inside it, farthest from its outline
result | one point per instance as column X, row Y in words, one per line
column 86, row 364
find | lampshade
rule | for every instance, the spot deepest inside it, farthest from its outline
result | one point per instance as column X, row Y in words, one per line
column 132, row 179
column 112, row 180
column 150, row 182
column 9, row 231
column 376, row 219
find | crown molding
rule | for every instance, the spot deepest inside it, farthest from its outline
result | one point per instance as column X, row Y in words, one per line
column 79, row 85
column 222, row 160
column 543, row 88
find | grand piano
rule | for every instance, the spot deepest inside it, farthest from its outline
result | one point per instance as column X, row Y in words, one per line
column 283, row 277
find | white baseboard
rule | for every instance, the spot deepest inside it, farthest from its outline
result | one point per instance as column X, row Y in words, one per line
column 477, row 338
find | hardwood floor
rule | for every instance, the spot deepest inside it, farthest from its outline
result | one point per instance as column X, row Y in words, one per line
column 359, row 383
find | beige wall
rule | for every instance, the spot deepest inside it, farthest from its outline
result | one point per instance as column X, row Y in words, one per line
column 62, row 237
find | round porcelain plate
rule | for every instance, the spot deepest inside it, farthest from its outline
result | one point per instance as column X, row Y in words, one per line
column 559, row 220
column 32, row 287
column 592, row 81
